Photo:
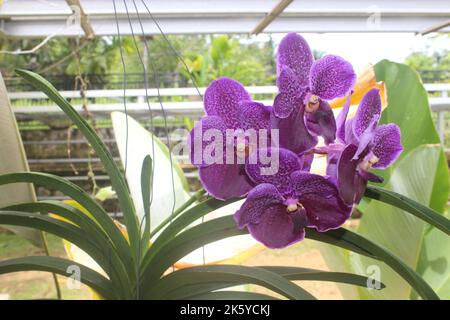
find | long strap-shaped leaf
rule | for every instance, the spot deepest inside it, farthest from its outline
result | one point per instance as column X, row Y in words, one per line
column 225, row 227
column 66, row 187
column 409, row 205
column 60, row 266
column 74, row 235
column 231, row 295
column 227, row 273
column 291, row 273
column 117, row 179
column 96, row 234
column 184, row 220
column 347, row 239
column 296, row 274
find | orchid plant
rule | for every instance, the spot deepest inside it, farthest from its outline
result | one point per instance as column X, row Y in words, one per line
column 269, row 169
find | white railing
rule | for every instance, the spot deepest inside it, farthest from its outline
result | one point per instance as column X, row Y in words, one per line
column 138, row 108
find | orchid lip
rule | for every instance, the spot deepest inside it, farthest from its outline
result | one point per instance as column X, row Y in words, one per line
column 293, row 205
column 312, row 103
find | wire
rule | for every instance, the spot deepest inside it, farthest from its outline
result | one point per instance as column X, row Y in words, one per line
column 178, row 55
column 180, row 58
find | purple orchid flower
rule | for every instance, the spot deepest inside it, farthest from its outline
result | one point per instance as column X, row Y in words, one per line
column 228, row 106
column 280, row 207
column 362, row 145
column 301, row 111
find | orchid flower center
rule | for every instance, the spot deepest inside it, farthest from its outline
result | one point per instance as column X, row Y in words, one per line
column 367, row 164
column 312, row 103
column 292, row 205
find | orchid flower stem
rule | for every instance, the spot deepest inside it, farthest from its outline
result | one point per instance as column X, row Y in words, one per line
column 183, row 207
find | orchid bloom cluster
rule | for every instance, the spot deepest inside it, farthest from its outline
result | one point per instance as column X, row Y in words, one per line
column 284, row 200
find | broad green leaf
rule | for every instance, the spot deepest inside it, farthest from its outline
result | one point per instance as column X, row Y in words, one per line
column 135, row 143
column 117, row 179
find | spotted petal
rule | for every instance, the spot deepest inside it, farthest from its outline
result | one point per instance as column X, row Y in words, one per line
column 222, row 99
column 259, row 198
column 369, row 108
column 294, row 52
column 386, row 145
column 254, row 115
column 331, row 77
column 204, row 135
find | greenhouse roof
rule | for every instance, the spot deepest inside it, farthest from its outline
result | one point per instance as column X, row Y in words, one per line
column 41, row 18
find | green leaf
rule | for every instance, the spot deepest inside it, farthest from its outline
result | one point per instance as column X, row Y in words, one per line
column 227, row 273
column 342, row 237
column 53, row 182
column 290, row 273
column 74, row 235
column 60, row 266
column 231, row 295
column 182, row 222
column 117, row 179
column 420, row 211
column 146, row 187
column 294, row 274
column 135, row 143
column 224, row 227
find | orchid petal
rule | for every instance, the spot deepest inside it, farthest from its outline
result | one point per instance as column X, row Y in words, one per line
column 386, row 145
column 259, row 198
column 225, row 181
column 294, row 52
column 277, row 171
column 331, row 77
column 293, row 134
column 341, row 120
column 277, row 229
column 198, row 138
column 346, row 173
column 322, row 123
column 369, row 108
column 222, row 99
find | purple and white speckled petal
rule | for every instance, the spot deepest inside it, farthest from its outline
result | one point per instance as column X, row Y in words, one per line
column 222, row 99
column 197, row 141
column 386, row 145
column 294, row 52
column 369, row 108
column 260, row 197
column 254, row 115
column 331, row 77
